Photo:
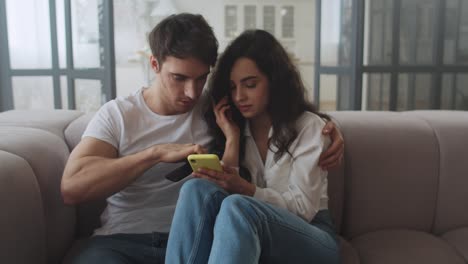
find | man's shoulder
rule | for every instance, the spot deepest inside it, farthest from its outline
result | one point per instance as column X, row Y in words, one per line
column 122, row 104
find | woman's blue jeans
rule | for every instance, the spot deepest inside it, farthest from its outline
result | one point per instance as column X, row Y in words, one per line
column 211, row 226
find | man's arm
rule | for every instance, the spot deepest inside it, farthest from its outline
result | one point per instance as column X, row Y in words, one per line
column 94, row 169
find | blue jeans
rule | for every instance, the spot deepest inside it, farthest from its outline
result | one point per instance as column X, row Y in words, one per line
column 124, row 248
column 211, row 226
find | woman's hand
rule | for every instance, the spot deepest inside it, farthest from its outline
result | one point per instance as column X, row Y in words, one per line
column 229, row 180
column 222, row 111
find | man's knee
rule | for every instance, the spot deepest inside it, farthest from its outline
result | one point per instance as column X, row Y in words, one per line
column 100, row 255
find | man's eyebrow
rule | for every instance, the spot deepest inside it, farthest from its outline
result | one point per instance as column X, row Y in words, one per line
column 179, row 74
column 203, row 76
column 187, row 77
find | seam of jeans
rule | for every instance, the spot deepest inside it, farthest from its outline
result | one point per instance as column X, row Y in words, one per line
column 200, row 227
column 293, row 228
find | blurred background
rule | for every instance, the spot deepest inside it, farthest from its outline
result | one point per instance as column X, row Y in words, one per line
column 353, row 54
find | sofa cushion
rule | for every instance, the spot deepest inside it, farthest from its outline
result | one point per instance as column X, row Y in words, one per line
column 391, row 172
column 22, row 226
column 404, row 247
column 54, row 121
column 458, row 238
column 348, row 253
column 46, row 153
column 75, row 129
column 451, row 130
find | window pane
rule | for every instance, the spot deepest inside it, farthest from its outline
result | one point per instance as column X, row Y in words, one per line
column 456, row 32
column 64, row 91
column 61, row 43
column 376, row 91
column 461, row 92
column 29, row 34
column 414, row 91
column 287, row 17
column 335, row 92
column 328, row 91
column 250, row 17
column 454, row 92
column 230, row 21
column 336, row 32
column 88, row 95
column 307, row 74
column 378, row 32
column 33, row 92
column 87, row 46
column 269, row 19
column 417, row 31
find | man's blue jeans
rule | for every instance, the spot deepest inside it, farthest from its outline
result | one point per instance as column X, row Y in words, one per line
column 210, row 226
column 124, row 248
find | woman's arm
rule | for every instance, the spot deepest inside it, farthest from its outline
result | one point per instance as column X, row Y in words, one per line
column 231, row 132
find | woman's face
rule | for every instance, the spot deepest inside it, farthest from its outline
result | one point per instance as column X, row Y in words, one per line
column 249, row 88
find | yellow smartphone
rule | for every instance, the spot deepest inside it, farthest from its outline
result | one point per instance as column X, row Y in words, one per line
column 207, row 161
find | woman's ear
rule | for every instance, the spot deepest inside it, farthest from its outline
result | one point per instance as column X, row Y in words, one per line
column 155, row 64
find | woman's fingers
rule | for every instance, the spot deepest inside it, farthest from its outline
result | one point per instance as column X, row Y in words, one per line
column 217, row 175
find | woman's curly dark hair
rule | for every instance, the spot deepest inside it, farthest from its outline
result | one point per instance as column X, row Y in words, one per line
column 287, row 93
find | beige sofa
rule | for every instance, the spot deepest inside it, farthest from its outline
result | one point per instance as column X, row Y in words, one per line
column 401, row 195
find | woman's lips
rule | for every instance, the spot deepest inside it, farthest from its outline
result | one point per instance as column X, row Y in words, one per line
column 244, row 108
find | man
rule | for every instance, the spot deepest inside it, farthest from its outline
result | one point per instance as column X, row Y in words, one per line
column 127, row 146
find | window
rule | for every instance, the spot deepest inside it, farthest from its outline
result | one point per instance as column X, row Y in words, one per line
column 250, row 17
column 399, row 54
column 35, row 71
column 230, row 18
column 269, row 19
column 287, row 17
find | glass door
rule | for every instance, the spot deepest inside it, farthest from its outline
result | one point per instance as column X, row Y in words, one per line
column 60, row 54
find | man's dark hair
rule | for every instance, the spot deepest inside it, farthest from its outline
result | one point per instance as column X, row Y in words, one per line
column 182, row 36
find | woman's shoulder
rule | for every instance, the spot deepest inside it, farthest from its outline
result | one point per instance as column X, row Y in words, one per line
column 309, row 120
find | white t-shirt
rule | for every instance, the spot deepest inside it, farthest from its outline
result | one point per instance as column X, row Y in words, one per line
column 127, row 123
column 296, row 182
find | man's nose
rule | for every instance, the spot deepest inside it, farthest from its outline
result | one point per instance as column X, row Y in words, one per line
column 190, row 90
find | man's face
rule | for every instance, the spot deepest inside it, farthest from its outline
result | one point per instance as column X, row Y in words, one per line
column 180, row 83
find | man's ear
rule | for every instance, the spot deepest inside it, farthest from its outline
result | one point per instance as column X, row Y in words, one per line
column 155, row 64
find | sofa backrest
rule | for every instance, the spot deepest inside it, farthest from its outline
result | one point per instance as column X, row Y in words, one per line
column 87, row 213
column 391, row 172
column 54, row 121
column 46, row 154
column 451, row 130
column 22, row 223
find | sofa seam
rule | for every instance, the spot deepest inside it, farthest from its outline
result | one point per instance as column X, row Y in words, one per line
column 434, row 133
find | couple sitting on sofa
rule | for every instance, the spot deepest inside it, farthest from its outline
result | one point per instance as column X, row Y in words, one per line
column 270, row 202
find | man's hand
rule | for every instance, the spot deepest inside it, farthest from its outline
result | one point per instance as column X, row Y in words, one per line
column 176, row 152
column 333, row 156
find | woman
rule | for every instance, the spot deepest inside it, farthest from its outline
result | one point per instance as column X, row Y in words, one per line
column 277, row 211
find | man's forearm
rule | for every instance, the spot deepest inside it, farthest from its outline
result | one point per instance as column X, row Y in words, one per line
column 93, row 177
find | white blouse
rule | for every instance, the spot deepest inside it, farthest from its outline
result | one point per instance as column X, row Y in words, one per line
column 294, row 183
